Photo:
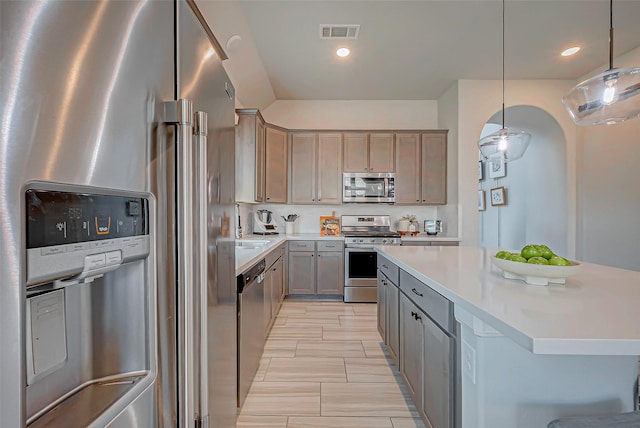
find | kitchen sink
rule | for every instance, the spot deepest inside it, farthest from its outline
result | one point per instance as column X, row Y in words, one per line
column 253, row 243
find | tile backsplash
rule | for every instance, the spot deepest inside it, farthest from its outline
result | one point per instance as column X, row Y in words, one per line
column 309, row 215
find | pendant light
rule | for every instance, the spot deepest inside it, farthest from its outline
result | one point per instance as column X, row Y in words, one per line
column 505, row 144
column 608, row 98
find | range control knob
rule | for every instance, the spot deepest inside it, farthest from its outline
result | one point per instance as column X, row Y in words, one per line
column 362, row 240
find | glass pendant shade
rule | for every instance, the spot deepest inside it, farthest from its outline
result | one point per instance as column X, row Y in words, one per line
column 504, row 144
column 507, row 144
column 608, row 98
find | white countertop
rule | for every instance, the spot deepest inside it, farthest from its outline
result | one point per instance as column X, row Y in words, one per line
column 597, row 312
column 247, row 257
column 431, row 238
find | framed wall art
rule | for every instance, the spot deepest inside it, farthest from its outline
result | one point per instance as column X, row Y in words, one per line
column 481, row 201
column 498, row 196
column 480, row 170
column 497, row 167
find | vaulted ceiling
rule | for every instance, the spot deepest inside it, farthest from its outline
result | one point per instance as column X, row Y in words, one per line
column 410, row 50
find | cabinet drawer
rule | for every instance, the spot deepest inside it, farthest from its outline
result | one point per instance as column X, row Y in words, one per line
column 390, row 270
column 301, row 245
column 438, row 307
column 330, row 245
column 274, row 255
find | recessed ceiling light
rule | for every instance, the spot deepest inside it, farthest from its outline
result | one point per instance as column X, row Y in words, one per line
column 570, row 51
column 343, row 52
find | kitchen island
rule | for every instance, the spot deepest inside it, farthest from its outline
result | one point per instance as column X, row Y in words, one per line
column 530, row 354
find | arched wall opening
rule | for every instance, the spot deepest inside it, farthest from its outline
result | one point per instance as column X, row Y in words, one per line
column 536, row 186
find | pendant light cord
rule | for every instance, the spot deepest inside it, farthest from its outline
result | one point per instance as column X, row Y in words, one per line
column 503, row 63
column 610, row 34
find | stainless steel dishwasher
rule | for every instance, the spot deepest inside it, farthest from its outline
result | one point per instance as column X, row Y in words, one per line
column 250, row 326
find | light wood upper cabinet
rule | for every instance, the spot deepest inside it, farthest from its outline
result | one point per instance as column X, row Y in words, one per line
column 303, row 168
column 381, row 153
column 421, row 168
column 250, row 156
column 369, row 152
column 329, row 171
column 275, row 165
column 356, row 153
column 408, row 164
column 434, row 169
column 316, row 168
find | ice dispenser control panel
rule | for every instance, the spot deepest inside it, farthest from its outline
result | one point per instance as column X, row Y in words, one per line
column 78, row 234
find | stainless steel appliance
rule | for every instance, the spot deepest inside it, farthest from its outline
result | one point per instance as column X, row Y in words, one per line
column 264, row 223
column 368, row 187
column 103, row 121
column 250, row 326
column 433, row 227
column 361, row 234
column 90, row 283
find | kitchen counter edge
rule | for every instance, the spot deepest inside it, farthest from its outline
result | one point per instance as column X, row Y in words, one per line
column 529, row 314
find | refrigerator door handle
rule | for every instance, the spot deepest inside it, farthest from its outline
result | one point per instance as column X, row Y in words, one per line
column 180, row 113
column 200, row 362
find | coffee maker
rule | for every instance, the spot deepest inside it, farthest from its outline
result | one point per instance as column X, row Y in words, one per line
column 264, row 224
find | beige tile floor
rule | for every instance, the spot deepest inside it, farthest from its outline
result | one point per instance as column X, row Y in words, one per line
column 324, row 365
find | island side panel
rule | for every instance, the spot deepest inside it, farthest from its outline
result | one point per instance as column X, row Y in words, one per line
column 505, row 385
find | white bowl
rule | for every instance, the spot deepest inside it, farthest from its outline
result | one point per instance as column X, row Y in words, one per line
column 536, row 274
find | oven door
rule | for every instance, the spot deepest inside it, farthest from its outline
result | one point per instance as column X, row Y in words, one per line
column 360, row 274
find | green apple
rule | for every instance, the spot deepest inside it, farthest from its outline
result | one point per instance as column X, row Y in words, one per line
column 502, row 254
column 545, row 251
column 517, row 258
column 559, row 261
column 538, row 260
column 529, row 251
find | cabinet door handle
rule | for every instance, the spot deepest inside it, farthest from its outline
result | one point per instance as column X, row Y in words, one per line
column 416, row 292
column 385, row 266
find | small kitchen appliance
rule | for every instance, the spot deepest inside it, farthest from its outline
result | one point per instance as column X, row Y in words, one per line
column 433, row 227
column 264, row 224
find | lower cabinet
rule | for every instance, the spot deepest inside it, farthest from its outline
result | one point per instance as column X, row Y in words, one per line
column 382, row 306
column 427, row 365
column 412, row 347
column 316, row 267
column 393, row 318
column 418, row 327
column 277, row 289
column 273, row 286
column 388, row 314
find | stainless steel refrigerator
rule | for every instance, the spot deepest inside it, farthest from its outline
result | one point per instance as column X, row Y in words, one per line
column 117, row 282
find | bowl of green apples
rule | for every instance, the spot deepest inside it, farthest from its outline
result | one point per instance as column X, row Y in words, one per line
column 535, row 264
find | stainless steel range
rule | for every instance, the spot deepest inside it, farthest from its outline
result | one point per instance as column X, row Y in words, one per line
column 362, row 233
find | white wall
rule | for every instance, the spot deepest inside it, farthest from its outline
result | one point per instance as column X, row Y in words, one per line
column 536, row 186
column 352, row 115
column 309, row 220
column 478, row 101
column 609, row 188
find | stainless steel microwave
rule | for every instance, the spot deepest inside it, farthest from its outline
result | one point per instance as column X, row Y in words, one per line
column 368, row 187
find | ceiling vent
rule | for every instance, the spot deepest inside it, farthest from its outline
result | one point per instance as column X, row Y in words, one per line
column 339, row 31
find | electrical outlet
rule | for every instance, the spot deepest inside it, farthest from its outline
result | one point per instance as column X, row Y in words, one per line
column 469, row 361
